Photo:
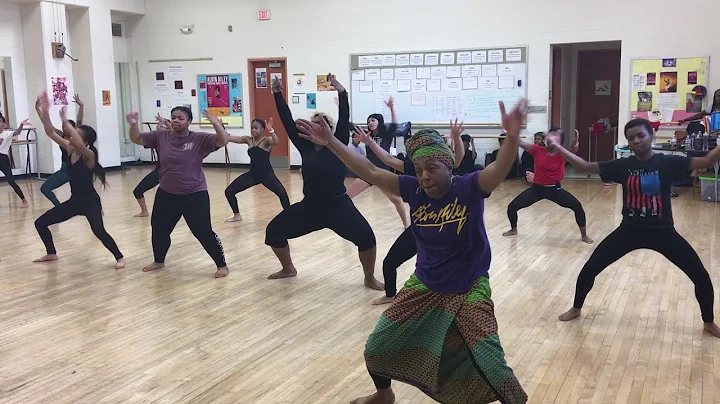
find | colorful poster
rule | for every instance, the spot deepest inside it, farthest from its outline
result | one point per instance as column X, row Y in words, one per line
column 311, row 101
column 323, row 84
column 298, row 83
column 221, row 95
column 260, row 77
column 668, row 82
column 692, row 77
column 59, row 91
column 106, row 98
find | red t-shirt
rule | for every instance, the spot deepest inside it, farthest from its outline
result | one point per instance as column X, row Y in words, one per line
column 549, row 168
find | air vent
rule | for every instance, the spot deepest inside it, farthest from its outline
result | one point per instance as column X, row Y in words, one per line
column 116, row 29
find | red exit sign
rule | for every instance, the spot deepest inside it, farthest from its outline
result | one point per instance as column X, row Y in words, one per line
column 263, row 15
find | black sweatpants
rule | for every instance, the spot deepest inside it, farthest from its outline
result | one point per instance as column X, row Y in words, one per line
column 667, row 242
column 6, row 169
column 90, row 208
column 250, row 179
column 338, row 214
column 402, row 250
column 553, row 193
column 195, row 208
column 149, row 182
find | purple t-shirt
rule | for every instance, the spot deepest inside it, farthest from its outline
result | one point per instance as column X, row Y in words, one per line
column 452, row 246
column 182, row 156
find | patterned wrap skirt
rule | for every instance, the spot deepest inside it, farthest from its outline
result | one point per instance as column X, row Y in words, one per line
column 446, row 345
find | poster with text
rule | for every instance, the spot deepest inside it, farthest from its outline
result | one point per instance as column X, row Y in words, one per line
column 221, row 95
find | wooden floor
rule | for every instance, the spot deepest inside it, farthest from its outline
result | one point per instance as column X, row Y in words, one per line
column 77, row 331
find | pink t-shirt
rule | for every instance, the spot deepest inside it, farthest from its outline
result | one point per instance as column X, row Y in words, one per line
column 182, row 156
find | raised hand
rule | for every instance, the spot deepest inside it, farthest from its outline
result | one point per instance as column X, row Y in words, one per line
column 25, row 122
column 576, row 141
column 530, row 176
column 390, row 102
column 333, row 81
column 269, row 125
column 553, row 140
column 319, row 134
column 63, row 114
column 277, row 86
column 132, row 118
column 456, row 130
column 363, row 137
column 43, row 102
column 513, row 121
column 77, row 100
column 210, row 117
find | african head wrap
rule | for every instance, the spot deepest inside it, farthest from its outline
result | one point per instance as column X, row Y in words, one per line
column 429, row 143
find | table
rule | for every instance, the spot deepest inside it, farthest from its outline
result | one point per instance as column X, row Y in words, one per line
column 716, row 164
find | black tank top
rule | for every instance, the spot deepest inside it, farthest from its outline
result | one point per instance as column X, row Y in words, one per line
column 81, row 181
column 259, row 160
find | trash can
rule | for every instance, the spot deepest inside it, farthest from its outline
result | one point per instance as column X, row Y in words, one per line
column 707, row 189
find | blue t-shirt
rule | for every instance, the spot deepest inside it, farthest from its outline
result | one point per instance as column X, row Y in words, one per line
column 452, row 245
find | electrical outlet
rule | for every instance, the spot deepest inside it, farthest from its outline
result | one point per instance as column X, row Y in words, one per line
column 58, row 50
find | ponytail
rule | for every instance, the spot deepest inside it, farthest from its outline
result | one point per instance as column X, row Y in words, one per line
column 98, row 169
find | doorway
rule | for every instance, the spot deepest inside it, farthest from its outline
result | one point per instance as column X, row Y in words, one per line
column 262, row 73
column 584, row 88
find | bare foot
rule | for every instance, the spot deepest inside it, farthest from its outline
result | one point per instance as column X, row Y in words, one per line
column 120, row 263
column 142, row 214
column 47, row 258
column 587, row 239
column 373, row 283
column 236, row 218
column 570, row 314
column 24, row 205
column 222, row 272
column 510, row 232
column 712, row 328
column 153, row 267
column 381, row 397
column 383, row 300
column 284, row 273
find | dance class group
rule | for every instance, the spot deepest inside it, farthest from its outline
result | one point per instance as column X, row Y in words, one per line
column 439, row 332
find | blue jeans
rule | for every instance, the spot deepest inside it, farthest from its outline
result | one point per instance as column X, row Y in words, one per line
column 54, row 182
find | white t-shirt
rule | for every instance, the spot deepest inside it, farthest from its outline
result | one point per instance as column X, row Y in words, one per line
column 7, row 137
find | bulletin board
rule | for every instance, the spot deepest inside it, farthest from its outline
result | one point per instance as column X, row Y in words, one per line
column 165, row 85
column 221, row 95
column 434, row 87
column 661, row 88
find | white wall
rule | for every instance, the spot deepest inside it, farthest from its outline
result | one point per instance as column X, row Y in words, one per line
column 296, row 32
column 11, row 45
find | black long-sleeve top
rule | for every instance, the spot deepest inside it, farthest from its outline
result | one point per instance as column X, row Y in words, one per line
column 323, row 172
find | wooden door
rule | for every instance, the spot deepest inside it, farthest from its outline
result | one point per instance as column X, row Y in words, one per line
column 262, row 103
column 595, row 68
column 556, row 88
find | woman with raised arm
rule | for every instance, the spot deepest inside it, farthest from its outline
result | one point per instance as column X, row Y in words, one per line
column 440, row 333
column 404, row 247
column 326, row 204
column 6, row 139
column 84, row 168
column 261, row 172
column 647, row 221
column 183, row 188
column 152, row 179
column 549, row 171
column 714, row 107
column 382, row 135
column 61, row 176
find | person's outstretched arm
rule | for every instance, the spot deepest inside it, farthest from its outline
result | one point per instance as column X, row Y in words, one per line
column 322, row 135
column 382, row 154
column 42, row 106
column 286, row 117
column 494, row 174
column 81, row 110
column 457, row 144
column 577, row 161
column 133, row 119
column 274, row 139
column 19, row 130
column 77, row 141
column 706, row 161
column 222, row 135
column 342, row 129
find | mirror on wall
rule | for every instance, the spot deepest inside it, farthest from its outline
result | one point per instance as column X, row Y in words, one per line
column 18, row 153
column 4, row 79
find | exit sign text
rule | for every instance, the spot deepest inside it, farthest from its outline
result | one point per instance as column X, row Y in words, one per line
column 263, row 15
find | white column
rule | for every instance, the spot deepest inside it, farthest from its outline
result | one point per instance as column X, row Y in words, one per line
column 42, row 24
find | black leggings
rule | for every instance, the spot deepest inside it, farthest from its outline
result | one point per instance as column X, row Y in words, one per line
column 553, row 193
column 195, row 208
column 250, row 179
column 90, row 208
column 402, row 250
column 6, row 169
column 149, row 182
column 667, row 242
column 339, row 215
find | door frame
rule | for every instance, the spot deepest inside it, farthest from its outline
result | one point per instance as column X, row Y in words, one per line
column 5, row 97
column 251, row 89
